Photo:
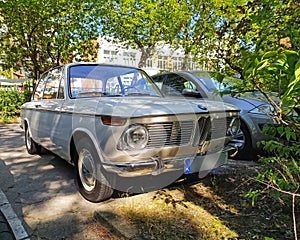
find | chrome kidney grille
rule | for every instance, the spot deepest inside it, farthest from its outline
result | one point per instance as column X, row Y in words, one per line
column 203, row 130
column 219, row 127
column 169, row 133
column 179, row 133
column 211, row 128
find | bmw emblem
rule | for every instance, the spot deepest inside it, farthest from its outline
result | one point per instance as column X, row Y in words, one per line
column 202, row 107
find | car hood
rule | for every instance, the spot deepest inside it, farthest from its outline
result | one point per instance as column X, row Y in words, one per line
column 254, row 98
column 144, row 106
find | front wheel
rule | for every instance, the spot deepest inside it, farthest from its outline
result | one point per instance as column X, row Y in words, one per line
column 31, row 146
column 90, row 179
column 246, row 151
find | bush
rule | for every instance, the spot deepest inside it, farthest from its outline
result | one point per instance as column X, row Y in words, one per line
column 10, row 103
column 280, row 173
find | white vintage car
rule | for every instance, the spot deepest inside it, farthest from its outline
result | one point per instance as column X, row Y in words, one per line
column 114, row 125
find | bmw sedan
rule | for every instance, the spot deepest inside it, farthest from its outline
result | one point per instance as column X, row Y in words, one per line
column 114, row 125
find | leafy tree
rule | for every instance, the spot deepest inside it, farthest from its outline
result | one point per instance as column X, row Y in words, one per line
column 243, row 30
column 39, row 34
column 143, row 24
column 260, row 41
column 280, row 173
column 195, row 29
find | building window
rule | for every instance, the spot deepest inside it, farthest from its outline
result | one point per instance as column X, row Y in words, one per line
column 129, row 58
column 177, row 63
column 149, row 63
column 191, row 64
column 110, row 55
column 162, row 62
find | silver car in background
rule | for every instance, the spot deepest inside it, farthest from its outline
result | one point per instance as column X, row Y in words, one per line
column 255, row 109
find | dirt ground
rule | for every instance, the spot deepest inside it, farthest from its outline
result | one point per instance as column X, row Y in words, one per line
column 268, row 218
column 215, row 207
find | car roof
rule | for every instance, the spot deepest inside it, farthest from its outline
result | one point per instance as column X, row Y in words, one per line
column 101, row 64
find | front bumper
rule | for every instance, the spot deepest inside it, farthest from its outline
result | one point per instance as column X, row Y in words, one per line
column 202, row 164
column 255, row 124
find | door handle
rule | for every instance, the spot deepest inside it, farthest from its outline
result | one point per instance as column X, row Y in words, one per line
column 67, row 108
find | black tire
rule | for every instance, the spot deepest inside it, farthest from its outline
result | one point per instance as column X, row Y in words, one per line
column 31, row 146
column 91, row 181
column 246, row 151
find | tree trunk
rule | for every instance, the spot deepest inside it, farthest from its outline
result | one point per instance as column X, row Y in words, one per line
column 146, row 53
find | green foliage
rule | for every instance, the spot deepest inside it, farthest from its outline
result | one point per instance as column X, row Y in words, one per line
column 11, row 101
column 278, row 71
column 244, row 30
column 40, row 34
column 253, row 194
column 273, row 71
column 281, row 172
column 282, row 167
column 197, row 31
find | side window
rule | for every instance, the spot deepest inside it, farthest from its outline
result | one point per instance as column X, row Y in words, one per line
column 113, row 86
column 61, row 91
column 173, row 85
column 38, row 93
column 159, row 81
column 190, row 85
column 52, row 84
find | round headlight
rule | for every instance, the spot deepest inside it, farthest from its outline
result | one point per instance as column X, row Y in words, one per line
column 234, row 127
column 136, row 137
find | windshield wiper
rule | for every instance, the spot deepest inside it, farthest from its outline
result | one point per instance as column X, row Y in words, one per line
column 138, row 94
column 91, row 94
column 114, row 95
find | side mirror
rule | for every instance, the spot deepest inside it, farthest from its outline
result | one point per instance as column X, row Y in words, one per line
column 191, row 93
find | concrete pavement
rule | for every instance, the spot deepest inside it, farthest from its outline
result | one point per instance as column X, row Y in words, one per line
column 11, row 226
column 42, row 196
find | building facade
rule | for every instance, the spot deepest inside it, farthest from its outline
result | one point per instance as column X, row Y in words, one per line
column 164, row 59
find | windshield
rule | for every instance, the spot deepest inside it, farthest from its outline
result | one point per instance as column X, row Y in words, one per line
column 213, row 85
column 103, row 80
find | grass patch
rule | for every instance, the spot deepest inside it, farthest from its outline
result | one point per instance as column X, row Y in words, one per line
column 166, row 218
column 167, row 215
column 212, row 208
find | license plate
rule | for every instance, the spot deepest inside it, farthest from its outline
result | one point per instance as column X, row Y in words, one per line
column 187, row 166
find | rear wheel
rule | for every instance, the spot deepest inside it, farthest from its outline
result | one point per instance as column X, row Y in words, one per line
column 90, row 179
column 31, row 146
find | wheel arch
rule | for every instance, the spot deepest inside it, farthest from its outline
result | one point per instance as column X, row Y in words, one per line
column 26, row 125
column 76, row 136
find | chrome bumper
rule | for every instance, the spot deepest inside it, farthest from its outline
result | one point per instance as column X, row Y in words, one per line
column 154, row 166
column 202, row 164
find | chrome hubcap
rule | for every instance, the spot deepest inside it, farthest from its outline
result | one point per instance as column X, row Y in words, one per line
column 28, row 139
column 239, row 138
column 86, row 169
